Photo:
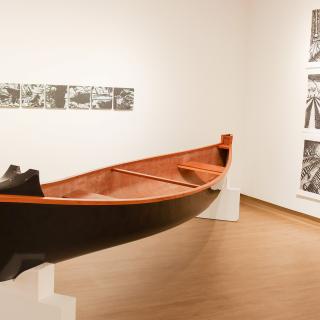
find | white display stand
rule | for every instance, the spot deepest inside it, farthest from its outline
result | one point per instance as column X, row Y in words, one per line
column 31, row 297
column 227, row 206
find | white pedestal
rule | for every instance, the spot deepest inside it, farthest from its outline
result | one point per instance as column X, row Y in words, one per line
column 31, row 297
column 226, row 206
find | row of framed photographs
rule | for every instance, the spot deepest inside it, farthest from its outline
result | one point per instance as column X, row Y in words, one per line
column 35, row 96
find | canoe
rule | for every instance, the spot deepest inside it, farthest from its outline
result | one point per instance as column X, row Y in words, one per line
column 57, row 221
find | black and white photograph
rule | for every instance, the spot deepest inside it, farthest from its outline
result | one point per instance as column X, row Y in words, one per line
column 102, row 98
column 56, row 96
column 9, row 95
column 310, row 174
column 123, row 99
column 32, row 95
column 312, row 116
column 80, row 97
column 315, row 37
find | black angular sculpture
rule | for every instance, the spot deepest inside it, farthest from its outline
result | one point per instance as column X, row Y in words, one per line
column 103, row 208
column 10, row 173
column 16, row 183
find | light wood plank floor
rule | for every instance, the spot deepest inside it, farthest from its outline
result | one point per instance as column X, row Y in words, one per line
column 266, row 266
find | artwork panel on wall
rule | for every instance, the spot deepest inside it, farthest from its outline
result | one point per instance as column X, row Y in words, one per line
column 310, row 170
column 9, row 95
column 80, row 97
column 53, row 96
column 312, row 113
column 123, row 99
column 102, row 98
column 315, row 37
column 32, row 96
column 56, row 96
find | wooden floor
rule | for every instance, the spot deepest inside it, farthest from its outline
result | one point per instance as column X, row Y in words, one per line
column 266, row 266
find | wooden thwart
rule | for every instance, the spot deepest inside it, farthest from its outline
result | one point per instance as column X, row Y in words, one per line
column 224, row 146
column 202, row 167
column 148, row 176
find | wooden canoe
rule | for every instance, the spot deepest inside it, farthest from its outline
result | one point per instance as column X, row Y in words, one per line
column 103, row 208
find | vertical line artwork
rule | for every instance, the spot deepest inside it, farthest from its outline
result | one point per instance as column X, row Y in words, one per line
column 315, row 37
column 10, row 95
column 32, row 96
column 312, row 114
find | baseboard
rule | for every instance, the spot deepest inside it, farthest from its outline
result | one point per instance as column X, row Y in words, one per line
column 253, row 202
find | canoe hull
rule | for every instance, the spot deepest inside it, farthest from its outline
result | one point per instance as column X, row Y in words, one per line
column 31, row 234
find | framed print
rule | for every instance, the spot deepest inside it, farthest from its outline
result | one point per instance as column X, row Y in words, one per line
column 314, row 45
column 80, row 97
column 9, row 95
column 56, row 96
column 123, row 99
column 101, row 98
column 309, row 185
column 312, row 111
column 32, row 96
column 314, row 51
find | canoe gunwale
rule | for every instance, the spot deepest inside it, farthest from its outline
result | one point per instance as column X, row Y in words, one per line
column 102, row 202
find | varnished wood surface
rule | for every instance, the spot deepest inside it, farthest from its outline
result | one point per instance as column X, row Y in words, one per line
column 148, row 176
column 85, row 195
column 183, row 167
column 203, row 166
column 266, row 266
column 223, row 146
column 132, row 189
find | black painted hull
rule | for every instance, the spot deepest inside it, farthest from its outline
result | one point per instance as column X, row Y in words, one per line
column 31, row 234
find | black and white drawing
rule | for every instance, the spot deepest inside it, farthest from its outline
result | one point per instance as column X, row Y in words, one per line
column 9, row 95
column 310, row 174
column 79, row 97
column 102, row 98
column 56, row 96
column 32, row 95
column 312, row 117
column 123, row 98
column 315, row 37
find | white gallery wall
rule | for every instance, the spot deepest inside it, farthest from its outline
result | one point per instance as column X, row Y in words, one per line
column 185, row 60
column 279, row 37
column 199, row 69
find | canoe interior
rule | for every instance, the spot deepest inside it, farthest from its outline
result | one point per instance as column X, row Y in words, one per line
column 109, row 184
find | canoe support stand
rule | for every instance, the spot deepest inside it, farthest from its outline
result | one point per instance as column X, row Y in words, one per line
column 31, row 297
column 227, row 205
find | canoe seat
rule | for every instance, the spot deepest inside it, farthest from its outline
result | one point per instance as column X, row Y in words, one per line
column 224, row 146
column 202, row 167
column 80, row 194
